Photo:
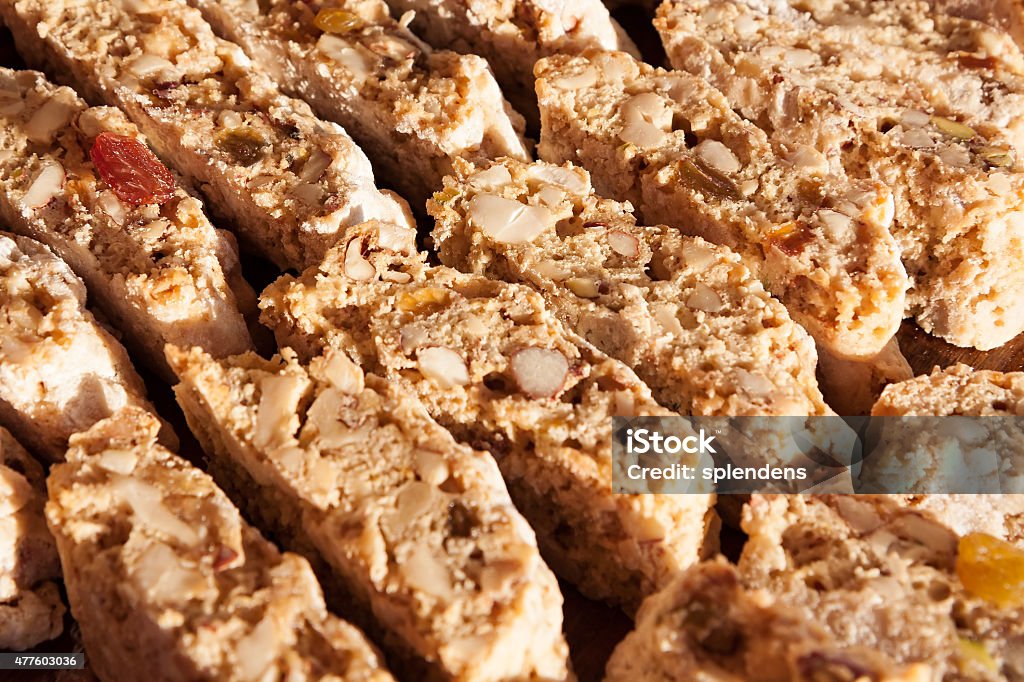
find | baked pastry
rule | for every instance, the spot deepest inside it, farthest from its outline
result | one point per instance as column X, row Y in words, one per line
column 944, row 143
column 877, row 573
column 512, row 36
column 413, row 534
column 955, row 390
column 852, row 387
column 686, row 315
column 286, row 181
column 60, row 371
column 411, row 108
column 495, row 367
column 163, row 575
column 148, row 255
column 706, row 626
column 31, row 610
column 670, row 144
column 1007, row 15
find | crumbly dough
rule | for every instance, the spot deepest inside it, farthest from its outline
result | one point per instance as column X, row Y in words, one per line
column 686, row 315
column 414, row 534
column 411, row 108
column 288, row 182
column 495, row 367
column 60, row 371
column 161, row 273
column 879, row 573
column 512, row 36
column 31, row 610
column 944, row 133
column 669, row 143
column 164, row 576
column 706, row 626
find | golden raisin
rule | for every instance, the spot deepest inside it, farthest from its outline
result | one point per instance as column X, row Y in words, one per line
column 991, row 569
column 334, row 20
column 420, row 300
column 245, row 146
column 973, row 654
column 707, row 180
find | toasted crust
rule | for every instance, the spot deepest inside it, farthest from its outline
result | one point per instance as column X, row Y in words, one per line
column 161, row 273
column 413, row 109
column 904, row 107
column 163, row 574
column 31, row 610
column 819, row 241
column 440, row 566
column 60, row 371
column 286, row 181
column 456, row 341
column 686, row 315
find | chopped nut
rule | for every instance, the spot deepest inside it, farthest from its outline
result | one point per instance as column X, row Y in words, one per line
column 256, row 651
column 716, row 155
column 149, row 511
column 492, row 178
column 808, row 158
column 646, row 120
column 112, row 206
column 951, row 127
column 277, row 415
column 573, row 179
column 918, row 138
column 665, row 314
column 800, row 58
column 345, row 55
column 47, row 120
column 443, row 365
column 835, row 223
column 48, row 182
column 392, row 48
column 117, row 461
column 427, row 573
column 539, row 372
column 551, row 270
column 15, row 491
column 508, row 221
column 704, row 298
column 584, row 79
column 357, row 267
column 912, row 118
column 431, row 466
column 344, row 375
column 146, row 65
column 755, row 385
column 697, row 256
column 584, row 287
column 413, row 501
column 623, row 243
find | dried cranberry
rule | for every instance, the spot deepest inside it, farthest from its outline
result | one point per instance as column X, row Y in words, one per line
column 131, row 169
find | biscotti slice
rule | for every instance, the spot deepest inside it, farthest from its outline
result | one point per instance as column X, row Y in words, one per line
column 958, row 209
column 686, row 315
column 163, row 575
column 706, row 626
column 512, row 36
column 31, row 610
column 287, row 182
column 852, row 387
column 83, row 182
column 877, row 573
column 1007, row 15
column 60, row 371
column 413, row 535
column 495, row 367
column 669, row 143
column 411, row 108
column 955, row 390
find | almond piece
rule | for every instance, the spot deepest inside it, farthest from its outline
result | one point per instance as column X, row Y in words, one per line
column 623, row 243
column 646, row 119
column 443, row 365
column 539, row 372
column 718, row 156
column 47, row 120
column 357, row 267
column 344, row 375
column 47, row 183
column 704, row 298
column 584, row 287
column 508, row 221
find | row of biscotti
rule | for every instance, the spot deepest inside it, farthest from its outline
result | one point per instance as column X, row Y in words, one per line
column 925, row 102
column 867, row 587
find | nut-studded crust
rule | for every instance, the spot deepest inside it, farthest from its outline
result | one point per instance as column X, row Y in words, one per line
column 512, row 36
column 412, row 533
column 160, row 272
column 60, row 371
column 706, row 626
column 494, row 366
column 945, row 143
column 288, row 182
column 669, row 143
column 411, row 108
column 955, row 390
column 163, row 575
column 31, row 610
column 686, row 315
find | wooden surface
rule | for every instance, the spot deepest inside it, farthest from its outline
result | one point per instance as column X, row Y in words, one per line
column 592, row 629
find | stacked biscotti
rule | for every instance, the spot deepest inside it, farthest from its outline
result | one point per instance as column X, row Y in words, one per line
column 894, row 92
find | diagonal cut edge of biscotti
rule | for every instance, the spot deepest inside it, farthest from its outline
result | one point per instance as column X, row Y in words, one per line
column 413, row 109
column 512, row 36
column 31, row 609
column 706, row 625
column 60, row 370
column 876, row 571
column 686, row 315
column 958, row 188
column 163, row 573
column 287, row 182
column 160, row 272
column 495, row 367
column 669, row 143
column 413, row 534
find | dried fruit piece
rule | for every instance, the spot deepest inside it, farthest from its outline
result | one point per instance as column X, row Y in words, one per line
column 972, row 654
column 334, row 20
column 991, row 569
column 1000, row 157
column 420, row 300
column 539, row 372
column 702, row 177
column 131, row 169
column 954, row 128
column 245, row 145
